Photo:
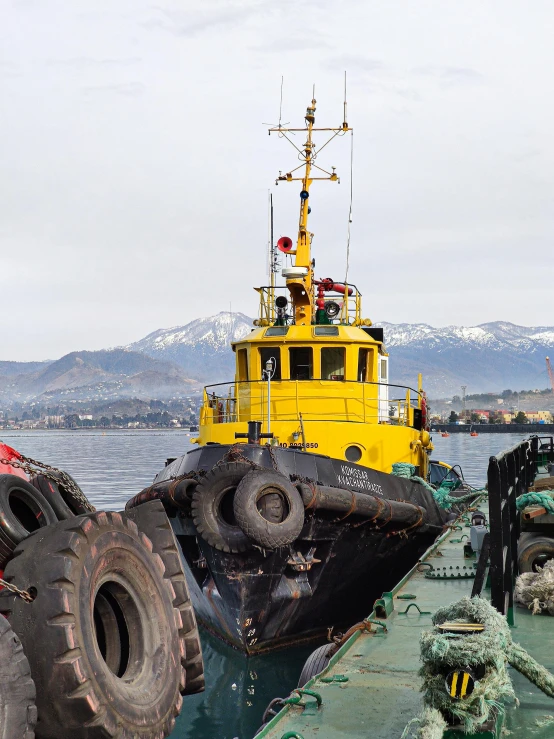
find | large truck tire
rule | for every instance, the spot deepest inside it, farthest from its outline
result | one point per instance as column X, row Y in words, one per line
column 101, row 634
column 152, row 520
column 18, row 712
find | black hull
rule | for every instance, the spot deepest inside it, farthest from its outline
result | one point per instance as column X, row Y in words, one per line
column 257, row 601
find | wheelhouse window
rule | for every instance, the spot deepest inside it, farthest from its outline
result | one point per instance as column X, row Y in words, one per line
column 364, row 371
column 301, row 363
column 333, row 363
column 242, row 365
column 267, row 353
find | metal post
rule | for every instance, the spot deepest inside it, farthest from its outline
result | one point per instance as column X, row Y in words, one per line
column 269, row 371
column 496, row 544
column 268, row 403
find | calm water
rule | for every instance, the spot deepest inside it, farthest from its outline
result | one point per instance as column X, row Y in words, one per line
column 112, row 466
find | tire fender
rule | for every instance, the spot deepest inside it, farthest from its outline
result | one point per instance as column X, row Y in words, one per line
column 269, row 508
column 316, row 663
column 534, row 550
column 23, row 509
column 64, row 504
column 213, row 506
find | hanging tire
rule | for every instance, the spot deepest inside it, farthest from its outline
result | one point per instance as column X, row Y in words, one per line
column 213, row 510
column 23, row 509
column 533, row 552
column 101, row 634
column 316, row 663
column 269, row 509
column 152, row 520
column 18, row 713
column 58, row 495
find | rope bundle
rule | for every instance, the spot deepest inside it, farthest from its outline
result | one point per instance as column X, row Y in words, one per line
column 441, row 494
column 489, row 652
column 536, row 589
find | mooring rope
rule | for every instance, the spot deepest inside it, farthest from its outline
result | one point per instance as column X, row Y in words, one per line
column 441, row 494
column 544, row 498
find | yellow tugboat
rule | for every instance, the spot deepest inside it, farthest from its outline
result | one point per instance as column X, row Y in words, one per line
column 288, row 513
column 314, row 370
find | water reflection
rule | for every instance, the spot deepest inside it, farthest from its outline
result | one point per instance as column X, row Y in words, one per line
column 238, row 689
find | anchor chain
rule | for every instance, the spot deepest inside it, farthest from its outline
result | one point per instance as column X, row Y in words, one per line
column 23, row 594
column 28, row 465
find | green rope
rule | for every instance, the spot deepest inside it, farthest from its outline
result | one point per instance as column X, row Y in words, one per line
column 441, row 494
column 544, row 499
column 492, row 650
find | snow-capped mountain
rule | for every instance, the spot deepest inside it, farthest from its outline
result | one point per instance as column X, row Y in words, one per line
column 489, row 357
column 201, row 347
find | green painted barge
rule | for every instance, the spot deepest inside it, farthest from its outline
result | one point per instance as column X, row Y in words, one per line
column 371, row 686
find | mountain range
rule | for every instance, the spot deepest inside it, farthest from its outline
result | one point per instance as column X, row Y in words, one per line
column 93, row 376
column 486, row 358
column 174, row 362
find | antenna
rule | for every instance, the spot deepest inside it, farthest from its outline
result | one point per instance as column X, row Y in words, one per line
column 300, row 276
column 344, row 117
column 272, row 254
column 280, row 109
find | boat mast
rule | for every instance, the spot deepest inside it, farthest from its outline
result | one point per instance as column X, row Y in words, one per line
column 300, row 280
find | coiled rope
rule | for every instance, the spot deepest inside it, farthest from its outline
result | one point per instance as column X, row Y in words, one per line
column 441, row 494
column 490, row 650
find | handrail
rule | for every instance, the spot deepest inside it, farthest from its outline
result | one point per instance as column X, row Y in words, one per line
column 509, row 475
column 350, row 310
column 316, row 379
column 348, row 400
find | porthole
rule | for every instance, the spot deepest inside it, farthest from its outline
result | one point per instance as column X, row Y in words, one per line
column 353, row 453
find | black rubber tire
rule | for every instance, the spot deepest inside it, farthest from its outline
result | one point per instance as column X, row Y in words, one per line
column 270, row 532
column 101, row 635
column 218, row 484
column 534, row 551
column 18, row 712
column 23, row 509
column 63, row 503
column 152, row 520
column 316, row 663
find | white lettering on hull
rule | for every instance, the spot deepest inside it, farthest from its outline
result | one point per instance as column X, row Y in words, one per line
column 353, row 477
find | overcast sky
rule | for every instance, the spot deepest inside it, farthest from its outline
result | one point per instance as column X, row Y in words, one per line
column 135, row 165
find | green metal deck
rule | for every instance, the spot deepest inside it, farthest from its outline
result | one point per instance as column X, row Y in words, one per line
column 382, row 692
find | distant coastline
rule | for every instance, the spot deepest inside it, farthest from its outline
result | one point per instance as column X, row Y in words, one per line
column 494, row 428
